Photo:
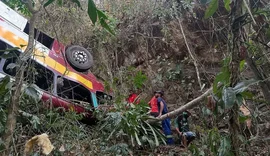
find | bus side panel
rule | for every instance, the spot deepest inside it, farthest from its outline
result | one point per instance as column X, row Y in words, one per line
column 57, row 102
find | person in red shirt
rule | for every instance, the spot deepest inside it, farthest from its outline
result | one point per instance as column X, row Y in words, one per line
column 133, row 98
column 153, row 103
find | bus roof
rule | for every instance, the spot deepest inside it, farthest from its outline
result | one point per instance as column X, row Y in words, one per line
column 12, row 16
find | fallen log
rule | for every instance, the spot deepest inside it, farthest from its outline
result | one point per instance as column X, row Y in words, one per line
column 189, row 105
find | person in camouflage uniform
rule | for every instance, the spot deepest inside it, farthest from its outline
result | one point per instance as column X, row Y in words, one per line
column 182, row 128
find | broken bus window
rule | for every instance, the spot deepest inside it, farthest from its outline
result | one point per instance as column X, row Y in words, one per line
column 34, row 73
column 74, row 91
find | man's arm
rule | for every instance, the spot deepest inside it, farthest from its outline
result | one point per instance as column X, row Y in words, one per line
column 178, row 131
column 161, row 108
column 177, row 125
column 188, row 113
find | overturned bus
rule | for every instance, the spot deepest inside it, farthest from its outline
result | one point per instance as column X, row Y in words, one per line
column 61, row 72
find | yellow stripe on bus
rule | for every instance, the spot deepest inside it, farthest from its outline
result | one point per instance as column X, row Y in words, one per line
column 40, row 56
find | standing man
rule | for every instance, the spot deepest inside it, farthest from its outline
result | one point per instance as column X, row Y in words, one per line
column 154, row 111
column 182, row 128
column 166, row 125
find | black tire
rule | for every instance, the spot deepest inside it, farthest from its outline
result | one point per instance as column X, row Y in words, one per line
column 79, row 58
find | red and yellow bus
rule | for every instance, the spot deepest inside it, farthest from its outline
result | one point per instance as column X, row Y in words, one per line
column 60, row 72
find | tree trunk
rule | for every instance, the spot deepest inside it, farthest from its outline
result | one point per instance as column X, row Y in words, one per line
column 15, row 97
column 12, row 112
column 234, row 127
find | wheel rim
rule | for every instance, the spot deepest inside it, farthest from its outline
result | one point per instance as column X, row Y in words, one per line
column 80, row 57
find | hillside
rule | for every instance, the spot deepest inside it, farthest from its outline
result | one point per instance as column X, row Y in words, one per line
column 170, row 46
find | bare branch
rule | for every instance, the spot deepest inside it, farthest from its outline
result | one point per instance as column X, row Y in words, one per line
column 249, row 11
column 189, row 105
column 190, row 53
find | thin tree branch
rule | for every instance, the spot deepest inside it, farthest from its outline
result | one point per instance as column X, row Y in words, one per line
column 16, row 94
column 249, row 11
column 190, row 53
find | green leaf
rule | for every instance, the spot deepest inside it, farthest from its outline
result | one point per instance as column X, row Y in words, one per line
column 223, row 77
column 228, row 97
column 225, row 147
column 139, row 79
column 92, row 11
column 242, row 65
column 132, row 106
column 150, row 142
column 227, row 4
column 194, row 150
column 156, row 139
column 242, row 118
column 35, row 121
column 60, row 2
column 242, row 86
column 101, row 14
column 239, row 99
column 137, row 139
column 213, row 137
column 206, row 111
column 8, row 54
column 132, row 140
column 143, row 129
column 48, row 3
column 106, row 26
column 4, row 84
column 211, row 9
column 32, row 91
column 247, row 95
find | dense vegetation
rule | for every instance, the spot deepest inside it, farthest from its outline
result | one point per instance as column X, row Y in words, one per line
column 181, row 46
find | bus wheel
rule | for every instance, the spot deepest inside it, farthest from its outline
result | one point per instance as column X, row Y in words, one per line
column 79, row 58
